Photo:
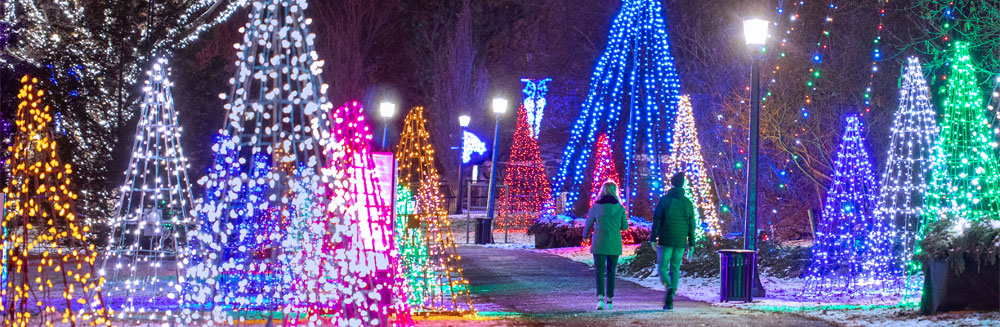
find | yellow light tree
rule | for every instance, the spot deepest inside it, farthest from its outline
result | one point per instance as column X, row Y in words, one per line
column 685, row 156
column 47, row 254
column 423, row 234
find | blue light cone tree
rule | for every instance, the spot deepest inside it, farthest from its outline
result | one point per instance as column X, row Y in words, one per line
column 914, row 134
column 842, row 249
column 632, row 98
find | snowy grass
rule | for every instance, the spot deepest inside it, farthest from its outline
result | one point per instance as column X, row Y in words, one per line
column 784, row 295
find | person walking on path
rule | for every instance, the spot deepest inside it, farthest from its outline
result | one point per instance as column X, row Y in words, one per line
column 673, row 227
column 608, row 214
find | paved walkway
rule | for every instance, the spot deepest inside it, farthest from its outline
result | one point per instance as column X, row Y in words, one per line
column 535, row 289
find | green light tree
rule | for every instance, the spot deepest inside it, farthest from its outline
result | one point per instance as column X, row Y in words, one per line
column 964, row 181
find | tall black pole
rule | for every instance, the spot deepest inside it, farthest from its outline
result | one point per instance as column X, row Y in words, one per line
column 750, row 228
column 385, row 135
column 491, row 206
column 461, row 162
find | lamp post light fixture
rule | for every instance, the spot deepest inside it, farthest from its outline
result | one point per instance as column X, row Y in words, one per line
column 463, row 121
column 499, row 108
column 386, row 109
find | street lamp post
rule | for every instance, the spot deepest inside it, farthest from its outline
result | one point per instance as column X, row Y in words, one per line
column 386, row 110
column 499, row 108
column 463, row 121
column 755, row 33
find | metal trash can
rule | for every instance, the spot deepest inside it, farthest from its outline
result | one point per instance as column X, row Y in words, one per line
column 484, row 230
column 737, row 267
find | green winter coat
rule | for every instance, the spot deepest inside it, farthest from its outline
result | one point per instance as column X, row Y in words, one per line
column 610, row 218
column 673, row 220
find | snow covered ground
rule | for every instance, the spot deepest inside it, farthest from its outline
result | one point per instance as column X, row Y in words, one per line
column 783, row 295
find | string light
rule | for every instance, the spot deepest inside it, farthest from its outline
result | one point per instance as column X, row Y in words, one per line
column 471, row 144
column 150, row 222
column 45, row 242
column 685, row 156
column 534, row 102
column 604, row 168
column 262, row 190
column 428, row 254
column 351, row 277
column 913, row 135
column 841, row 252
column 528, row 194
column 637, row 40
column 876, row 56
column 964, row 181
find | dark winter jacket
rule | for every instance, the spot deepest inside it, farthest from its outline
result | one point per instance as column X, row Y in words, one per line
column 673, row 220
column 610, row 219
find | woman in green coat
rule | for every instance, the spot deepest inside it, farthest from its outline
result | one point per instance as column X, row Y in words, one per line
column 608, row 214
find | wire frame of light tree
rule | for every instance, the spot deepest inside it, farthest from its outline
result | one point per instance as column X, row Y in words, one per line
column 351, row 273
column 429, row 257
column 685, row 156
column 51, row 275
column 634, row 84
column 528, row 194
column 148, row 231
column 274, row 118
column 914, row 134
column 841, row 263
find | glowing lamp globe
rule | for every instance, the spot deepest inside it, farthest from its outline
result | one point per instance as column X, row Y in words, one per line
column 387, row 109
column 499, row 106
column 755, row 31
column 464, row 120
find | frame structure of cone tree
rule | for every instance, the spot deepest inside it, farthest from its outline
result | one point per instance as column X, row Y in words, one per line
column 149, row 228
column 685, row 156
column 528, row 193
column 353, row 277
column 841, row 254
column 423, row 231
column 248, row 249
column 964, row 180
column 633, row 95
column 913, row 136
column 604, row 168
column 45, row 244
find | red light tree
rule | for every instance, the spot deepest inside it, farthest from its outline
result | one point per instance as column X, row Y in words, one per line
column 528, row 192
column 604, row 168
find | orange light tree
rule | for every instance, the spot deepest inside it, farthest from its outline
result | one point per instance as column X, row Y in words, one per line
column 685, row 156
column 426, row 245
column 528, row 193
column 45, row 246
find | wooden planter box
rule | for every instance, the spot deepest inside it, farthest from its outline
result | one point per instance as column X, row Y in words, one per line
column 977, row 288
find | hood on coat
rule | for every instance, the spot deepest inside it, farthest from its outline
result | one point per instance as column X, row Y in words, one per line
column 604, row 199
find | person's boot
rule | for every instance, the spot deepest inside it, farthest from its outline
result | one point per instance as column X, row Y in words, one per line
column 670, row 298
column 600, row 302
column 609, row 303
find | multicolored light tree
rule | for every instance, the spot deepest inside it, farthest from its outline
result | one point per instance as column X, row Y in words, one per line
column 351, row 276
column 634, row 84
column 964, row 180
column 255, row 210
column 685, row 156
column 604, row 168
column 423, row 231
column 842, row 247
column 528, row 194
column 152, row 216
column 914, row 135
column 47, row 253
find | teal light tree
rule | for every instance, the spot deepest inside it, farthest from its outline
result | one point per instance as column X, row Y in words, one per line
column 904, row 182
column 842, row 251
column 964, row 181
column 633, row 99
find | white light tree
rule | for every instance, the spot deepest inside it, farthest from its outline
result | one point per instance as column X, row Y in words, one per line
column 149, row 228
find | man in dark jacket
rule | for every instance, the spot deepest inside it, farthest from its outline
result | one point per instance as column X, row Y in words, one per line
column 673, row 231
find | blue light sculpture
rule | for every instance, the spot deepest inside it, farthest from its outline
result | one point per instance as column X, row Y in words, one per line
column 634, row 80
